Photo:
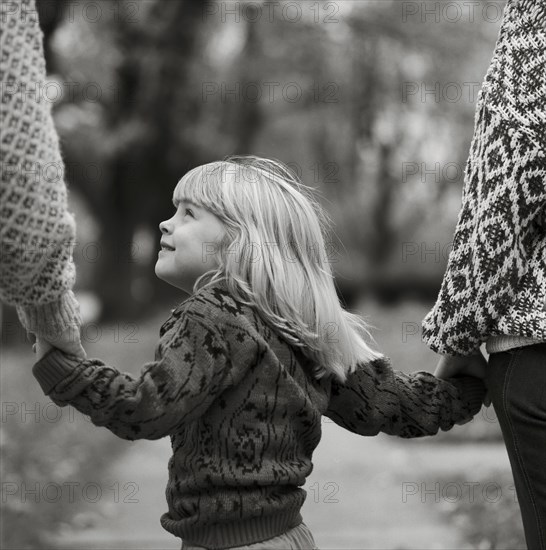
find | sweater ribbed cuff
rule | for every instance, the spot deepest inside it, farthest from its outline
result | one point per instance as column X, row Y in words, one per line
column 472, row 391
column 50, row 320
column 54, row 367
column 497, row 344
column 239, row 533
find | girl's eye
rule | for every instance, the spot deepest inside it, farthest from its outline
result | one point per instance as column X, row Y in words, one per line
column 191, row 213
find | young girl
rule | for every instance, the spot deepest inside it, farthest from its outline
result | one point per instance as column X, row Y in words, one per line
column 247, row 365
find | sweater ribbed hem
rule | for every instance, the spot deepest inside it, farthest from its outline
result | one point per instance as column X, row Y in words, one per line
column 504, row 342
column 54, row 367
column 472, row 391
column 50, row 320
column 237, row 533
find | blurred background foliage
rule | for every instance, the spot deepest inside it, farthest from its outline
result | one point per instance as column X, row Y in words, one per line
column 150, row 99
column 154, row 88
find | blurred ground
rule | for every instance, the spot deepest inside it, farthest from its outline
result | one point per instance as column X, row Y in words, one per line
column 451, row 491
column 364, row 493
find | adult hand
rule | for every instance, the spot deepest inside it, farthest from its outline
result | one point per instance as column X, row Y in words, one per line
column 41, row 347
column 68, row 341
column 450, row 366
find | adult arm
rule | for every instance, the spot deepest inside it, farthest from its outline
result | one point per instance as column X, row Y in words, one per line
column 37, row 231
column 504, row 196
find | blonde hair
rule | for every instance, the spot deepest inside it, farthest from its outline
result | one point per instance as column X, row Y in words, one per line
column 265, row 207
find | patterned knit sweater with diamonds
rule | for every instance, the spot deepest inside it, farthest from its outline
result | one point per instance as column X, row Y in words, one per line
column 495, row 283
column 37, row 271
column 244, row 414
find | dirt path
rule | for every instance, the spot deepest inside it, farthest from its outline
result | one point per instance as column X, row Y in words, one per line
column 386, row 497
column 364, row 493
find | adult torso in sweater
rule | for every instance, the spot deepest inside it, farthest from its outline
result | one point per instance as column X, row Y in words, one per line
column 249, row 452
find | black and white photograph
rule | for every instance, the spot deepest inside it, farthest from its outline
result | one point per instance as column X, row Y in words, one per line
column 273, row 275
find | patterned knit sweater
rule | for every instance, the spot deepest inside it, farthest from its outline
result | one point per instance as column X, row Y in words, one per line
column 244, row 414
column 495, row 281
column 37, row 271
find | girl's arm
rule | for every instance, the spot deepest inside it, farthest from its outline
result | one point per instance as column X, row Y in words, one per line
column 189, row 371
column 375, row 398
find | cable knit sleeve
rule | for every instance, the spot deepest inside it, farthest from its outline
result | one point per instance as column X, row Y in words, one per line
column 37, row 232
column 189, row 371
column 375, row 399
column 498, row 243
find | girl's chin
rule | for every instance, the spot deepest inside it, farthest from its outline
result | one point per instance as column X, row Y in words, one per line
column 158, row 270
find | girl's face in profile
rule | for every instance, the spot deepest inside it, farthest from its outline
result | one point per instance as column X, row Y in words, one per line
column 189, row 242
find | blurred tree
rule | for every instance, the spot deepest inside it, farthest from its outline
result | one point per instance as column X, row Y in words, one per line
column 50, row 13
column 155, row 120
column 150, row 77
column 392, row 53
column 250, row 118
column 133, row 131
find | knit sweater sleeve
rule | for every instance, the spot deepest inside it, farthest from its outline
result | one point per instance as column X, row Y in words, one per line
column 37, row 231
column 189, row 370
column 504, row 196
column 375, row 399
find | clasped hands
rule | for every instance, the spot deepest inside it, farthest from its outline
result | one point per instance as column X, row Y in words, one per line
column 450, row 366
column 68, row 341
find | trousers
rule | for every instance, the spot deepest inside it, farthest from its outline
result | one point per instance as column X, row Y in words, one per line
column 516, row 381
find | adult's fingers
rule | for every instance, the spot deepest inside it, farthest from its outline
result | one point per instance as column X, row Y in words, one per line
column 42, row 347
column 72, row 348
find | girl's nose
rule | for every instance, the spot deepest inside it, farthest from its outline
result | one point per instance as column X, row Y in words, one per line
column 163, row 226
